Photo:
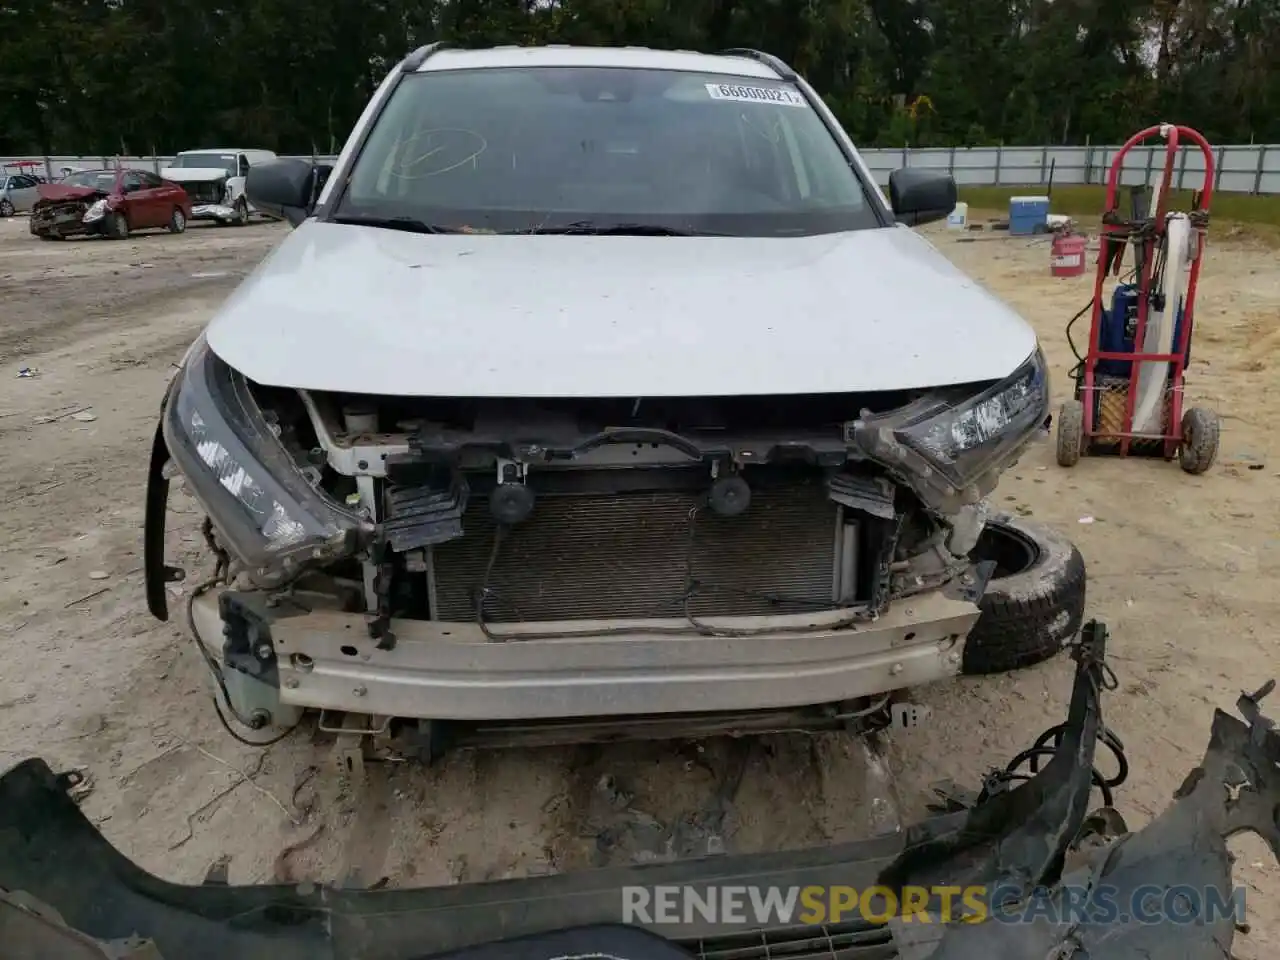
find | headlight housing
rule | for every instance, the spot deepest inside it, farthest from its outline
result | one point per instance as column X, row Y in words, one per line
column 97, row 210
column 953, row 444
column 269, row 516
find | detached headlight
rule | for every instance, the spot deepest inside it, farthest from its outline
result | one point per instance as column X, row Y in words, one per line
column 956, row 445
column 97, row 210
column 271, row 518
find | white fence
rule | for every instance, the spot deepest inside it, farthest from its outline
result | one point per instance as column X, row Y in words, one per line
column 1238, row 168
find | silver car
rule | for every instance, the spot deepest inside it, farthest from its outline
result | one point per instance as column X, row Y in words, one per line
column 17, row 193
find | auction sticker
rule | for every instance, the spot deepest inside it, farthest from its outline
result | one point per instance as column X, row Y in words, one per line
column 740, row 94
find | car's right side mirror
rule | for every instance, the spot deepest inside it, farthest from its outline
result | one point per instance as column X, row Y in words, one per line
column 283, row 188
column 921, row 196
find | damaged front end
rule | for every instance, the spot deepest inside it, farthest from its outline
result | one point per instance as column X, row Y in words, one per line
column 515, row 558
column 1040, row 874
column 69, row 213
column 212, row 196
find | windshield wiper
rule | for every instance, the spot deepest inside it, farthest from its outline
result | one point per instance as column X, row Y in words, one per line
column 407, row 224
column 614, row 229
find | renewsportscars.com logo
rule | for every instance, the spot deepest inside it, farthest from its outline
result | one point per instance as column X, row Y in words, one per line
column 762, row 906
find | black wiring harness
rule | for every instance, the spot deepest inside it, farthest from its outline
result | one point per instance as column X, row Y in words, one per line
column 220, row 576
column 1077, row 372
column 1047, row 744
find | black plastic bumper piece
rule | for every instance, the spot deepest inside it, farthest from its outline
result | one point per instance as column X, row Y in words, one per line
column 1016, row 838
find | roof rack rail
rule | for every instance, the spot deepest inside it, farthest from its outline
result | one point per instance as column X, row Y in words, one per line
column 768, row 59
column 416, row 59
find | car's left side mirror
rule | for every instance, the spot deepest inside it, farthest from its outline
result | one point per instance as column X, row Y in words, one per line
column 321, row 178
column 921, row 196
column 283, row 188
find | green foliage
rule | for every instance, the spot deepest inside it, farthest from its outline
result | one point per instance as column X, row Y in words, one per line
column 109, row 76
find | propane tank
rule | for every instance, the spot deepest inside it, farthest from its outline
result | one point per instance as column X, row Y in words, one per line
column 1066, row 255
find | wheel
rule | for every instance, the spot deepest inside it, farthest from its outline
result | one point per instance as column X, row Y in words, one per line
column 1070, row 433
column 242, row 212
column 117, row 227
column 1034, row 602
column 6, row 207
column 1201, row 429
column 177, row 221
column 49, row 236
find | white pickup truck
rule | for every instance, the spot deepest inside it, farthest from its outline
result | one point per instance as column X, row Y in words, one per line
column 214, row 179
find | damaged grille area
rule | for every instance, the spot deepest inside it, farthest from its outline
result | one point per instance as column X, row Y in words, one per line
column 58, row 214
column 601, row 556
column 205, row 191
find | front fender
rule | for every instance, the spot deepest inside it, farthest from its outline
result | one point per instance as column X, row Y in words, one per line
column 235, row 190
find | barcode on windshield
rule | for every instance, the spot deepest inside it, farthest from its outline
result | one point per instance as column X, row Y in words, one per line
column 740, row 94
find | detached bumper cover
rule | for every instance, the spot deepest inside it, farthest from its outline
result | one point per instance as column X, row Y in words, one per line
column 212, row 211
column 453, row 671
column 1013, row 841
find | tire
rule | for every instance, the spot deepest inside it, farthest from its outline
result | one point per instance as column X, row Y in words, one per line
column 177, row 221
column 1070, row 433
column 1034, row 603
column 116, row 227
column 6, row 207
column 1201, row 430
column 242, row 212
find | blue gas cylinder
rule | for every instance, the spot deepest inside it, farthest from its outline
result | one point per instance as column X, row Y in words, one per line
column 1119, row 327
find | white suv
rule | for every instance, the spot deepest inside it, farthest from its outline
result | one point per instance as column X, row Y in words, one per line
column 600, row 383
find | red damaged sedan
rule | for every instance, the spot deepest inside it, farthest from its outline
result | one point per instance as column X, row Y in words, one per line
column 109, row 203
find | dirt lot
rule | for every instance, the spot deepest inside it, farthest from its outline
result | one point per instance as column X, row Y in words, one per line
column 1181, row 568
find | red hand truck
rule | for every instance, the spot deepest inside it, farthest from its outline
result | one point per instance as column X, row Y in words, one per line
column 1118, row 377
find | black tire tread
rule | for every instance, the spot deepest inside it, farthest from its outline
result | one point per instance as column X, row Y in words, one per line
column 1070, row 433
column 117, row 228
column 1020, row 629
column 1201, row 434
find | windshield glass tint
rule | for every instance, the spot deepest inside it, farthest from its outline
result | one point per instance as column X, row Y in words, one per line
column 207, row 161
column 536, row 148
column 97, row 179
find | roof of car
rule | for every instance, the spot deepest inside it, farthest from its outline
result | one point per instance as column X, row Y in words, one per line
column 223, row 150
column 567, row 56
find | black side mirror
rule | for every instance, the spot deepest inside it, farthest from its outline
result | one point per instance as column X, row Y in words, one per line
column 921, row 196
column 283, row 188
column 322, row 177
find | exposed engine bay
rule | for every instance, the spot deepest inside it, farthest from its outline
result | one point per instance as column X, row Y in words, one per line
column 205, row 191
column 64, row 217
column 374, row 552
column 502, row 510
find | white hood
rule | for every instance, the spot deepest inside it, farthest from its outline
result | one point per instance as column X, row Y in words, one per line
column 366, row 310
column 193, row 174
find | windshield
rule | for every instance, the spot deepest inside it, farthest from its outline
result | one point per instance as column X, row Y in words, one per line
column 95, row 179
column 527, row 149
column 206, row 161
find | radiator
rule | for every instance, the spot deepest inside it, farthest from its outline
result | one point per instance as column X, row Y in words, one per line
column 619, row 556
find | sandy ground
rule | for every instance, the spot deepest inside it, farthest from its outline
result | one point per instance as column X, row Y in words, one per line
column 1180, row 567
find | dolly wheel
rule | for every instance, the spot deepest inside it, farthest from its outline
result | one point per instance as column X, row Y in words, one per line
column 1200, row 431
column 1070, row 433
